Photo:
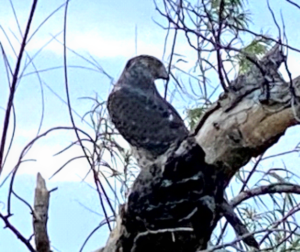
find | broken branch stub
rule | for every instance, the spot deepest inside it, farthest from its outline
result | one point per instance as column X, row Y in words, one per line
column 40, row 215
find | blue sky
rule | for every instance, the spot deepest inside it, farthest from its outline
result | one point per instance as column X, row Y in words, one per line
column 105, row 31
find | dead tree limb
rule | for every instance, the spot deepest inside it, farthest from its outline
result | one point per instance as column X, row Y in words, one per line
column 40, row 215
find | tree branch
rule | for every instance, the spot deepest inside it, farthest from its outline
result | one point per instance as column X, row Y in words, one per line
column 262, row 190
column 40, row 215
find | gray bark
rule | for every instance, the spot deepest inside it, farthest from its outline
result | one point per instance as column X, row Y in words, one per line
column 40, row 215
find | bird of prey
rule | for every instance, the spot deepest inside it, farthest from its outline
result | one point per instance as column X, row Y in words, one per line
column 147, row 121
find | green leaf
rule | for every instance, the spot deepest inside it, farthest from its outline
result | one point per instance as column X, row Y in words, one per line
column 194, row 115
column 257, row 48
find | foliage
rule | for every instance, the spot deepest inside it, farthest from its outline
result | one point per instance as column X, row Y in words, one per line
column 194, row 115
column 257, row 48
column 232, row 11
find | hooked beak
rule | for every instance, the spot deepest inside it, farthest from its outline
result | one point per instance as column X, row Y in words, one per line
column 164, row 74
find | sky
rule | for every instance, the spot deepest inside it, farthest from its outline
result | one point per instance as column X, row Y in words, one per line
column 103, row 32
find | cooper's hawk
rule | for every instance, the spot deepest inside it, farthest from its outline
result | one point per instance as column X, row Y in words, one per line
column 148, row 122
column 187, row 193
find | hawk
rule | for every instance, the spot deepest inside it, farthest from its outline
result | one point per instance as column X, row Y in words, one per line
column 141, row 115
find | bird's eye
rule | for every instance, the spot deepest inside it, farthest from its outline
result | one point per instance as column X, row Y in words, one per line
column 165, row 114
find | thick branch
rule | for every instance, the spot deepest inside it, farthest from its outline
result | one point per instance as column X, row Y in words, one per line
column 245, row 123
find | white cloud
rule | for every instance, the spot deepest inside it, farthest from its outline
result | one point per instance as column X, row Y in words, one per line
column 97, row 44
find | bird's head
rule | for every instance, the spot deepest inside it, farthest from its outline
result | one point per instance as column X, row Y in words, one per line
column 148, row 65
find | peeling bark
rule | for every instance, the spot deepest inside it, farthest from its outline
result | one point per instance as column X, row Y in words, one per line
column 243, row 123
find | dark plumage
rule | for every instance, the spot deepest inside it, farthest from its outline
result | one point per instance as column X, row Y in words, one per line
column 148, row 122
